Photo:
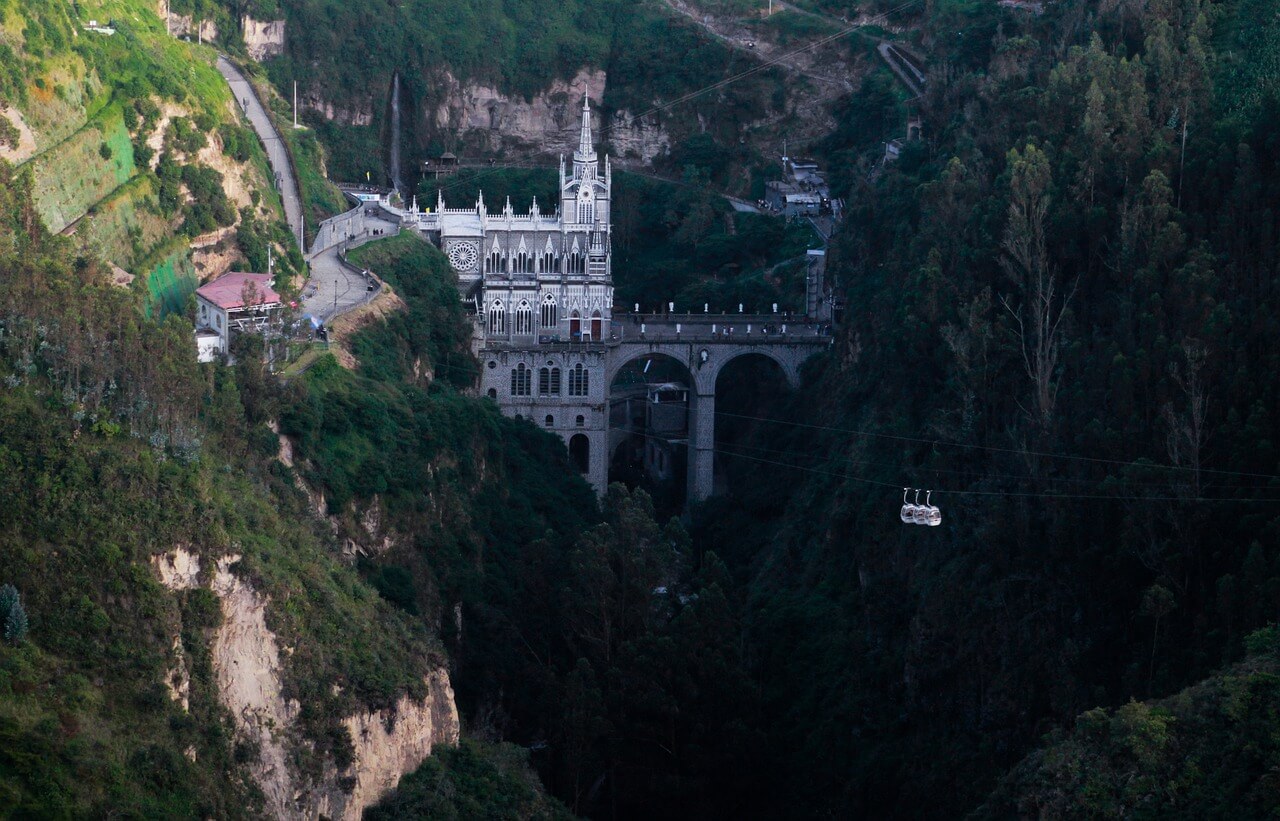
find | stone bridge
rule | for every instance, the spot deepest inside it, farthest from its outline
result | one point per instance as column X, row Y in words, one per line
column 704, row 344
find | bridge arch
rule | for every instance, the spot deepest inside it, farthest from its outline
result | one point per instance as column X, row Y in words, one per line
column 788, row 365
column 704, row 359
column 648, row 443
column 751, row 387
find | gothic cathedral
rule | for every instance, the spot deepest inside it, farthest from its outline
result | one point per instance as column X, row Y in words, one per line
column 542, row 286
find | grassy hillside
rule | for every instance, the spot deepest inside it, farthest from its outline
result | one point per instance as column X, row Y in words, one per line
column 118, row 449
column 135, row 137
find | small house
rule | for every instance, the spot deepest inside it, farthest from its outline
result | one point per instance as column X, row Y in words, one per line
column 233, row 303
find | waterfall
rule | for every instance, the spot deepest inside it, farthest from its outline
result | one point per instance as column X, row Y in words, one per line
column 396, row 182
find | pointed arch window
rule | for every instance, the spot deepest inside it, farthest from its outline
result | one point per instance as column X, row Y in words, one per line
column 497, row 318
column 579, row 380
column 549, row 381
column 521, row 380
column 524, row 317
column 550, row 314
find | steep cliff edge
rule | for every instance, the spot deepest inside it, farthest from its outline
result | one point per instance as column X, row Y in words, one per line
column 547, row 122
column 386, row 743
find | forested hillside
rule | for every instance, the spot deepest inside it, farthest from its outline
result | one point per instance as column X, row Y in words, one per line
column 1059, row 314
column 1060, row 317
column 464, row 67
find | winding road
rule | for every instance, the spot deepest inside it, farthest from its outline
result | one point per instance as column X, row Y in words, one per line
column 277, row 153
column 333, row 287
column 336, row 287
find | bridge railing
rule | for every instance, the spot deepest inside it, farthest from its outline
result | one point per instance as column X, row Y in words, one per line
column 745, row 329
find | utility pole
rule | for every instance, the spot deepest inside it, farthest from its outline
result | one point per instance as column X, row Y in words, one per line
column 1182, row 161
column 295, row 103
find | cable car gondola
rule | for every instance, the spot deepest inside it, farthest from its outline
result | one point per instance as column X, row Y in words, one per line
column 908, row 514
column 914, row 513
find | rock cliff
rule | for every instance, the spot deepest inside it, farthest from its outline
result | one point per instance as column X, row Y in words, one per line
column 546, row 123
column 247, row 665
column 263, row 38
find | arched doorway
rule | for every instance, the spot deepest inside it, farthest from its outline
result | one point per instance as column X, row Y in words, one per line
column 580, row 452
column 597, row 327
column 575, row 326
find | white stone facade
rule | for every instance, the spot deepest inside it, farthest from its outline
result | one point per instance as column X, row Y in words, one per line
column 542, row 287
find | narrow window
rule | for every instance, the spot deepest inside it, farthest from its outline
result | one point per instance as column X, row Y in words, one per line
column 550, row 317
column 578, row 381
column 521, row 380
column 524, row 318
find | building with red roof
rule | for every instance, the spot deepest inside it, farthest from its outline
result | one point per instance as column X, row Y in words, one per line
column 233, row 303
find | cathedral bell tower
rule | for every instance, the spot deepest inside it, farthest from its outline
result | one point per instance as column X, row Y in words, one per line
column 584, row 197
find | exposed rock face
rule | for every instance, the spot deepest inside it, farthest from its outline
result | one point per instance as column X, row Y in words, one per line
column 246, row 662
column 183, row 25
column 549, row 122
column 390, row 743
column 179, row 570
column 362, row 114
column 263, row 38
column 635, row 138
column 24, row 145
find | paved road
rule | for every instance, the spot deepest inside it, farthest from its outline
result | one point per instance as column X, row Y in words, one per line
column 277, row 154
column 334, row 288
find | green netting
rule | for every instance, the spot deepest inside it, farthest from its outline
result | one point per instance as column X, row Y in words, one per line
column 169, row 284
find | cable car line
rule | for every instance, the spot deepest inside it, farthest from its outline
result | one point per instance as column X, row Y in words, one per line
column 993, row 448
column 1008, row 494
column 1013, row 477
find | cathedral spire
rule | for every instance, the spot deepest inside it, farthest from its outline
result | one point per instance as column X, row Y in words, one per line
column 586, row 152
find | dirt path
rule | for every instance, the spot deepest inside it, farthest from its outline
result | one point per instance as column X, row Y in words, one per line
column 740, row 37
